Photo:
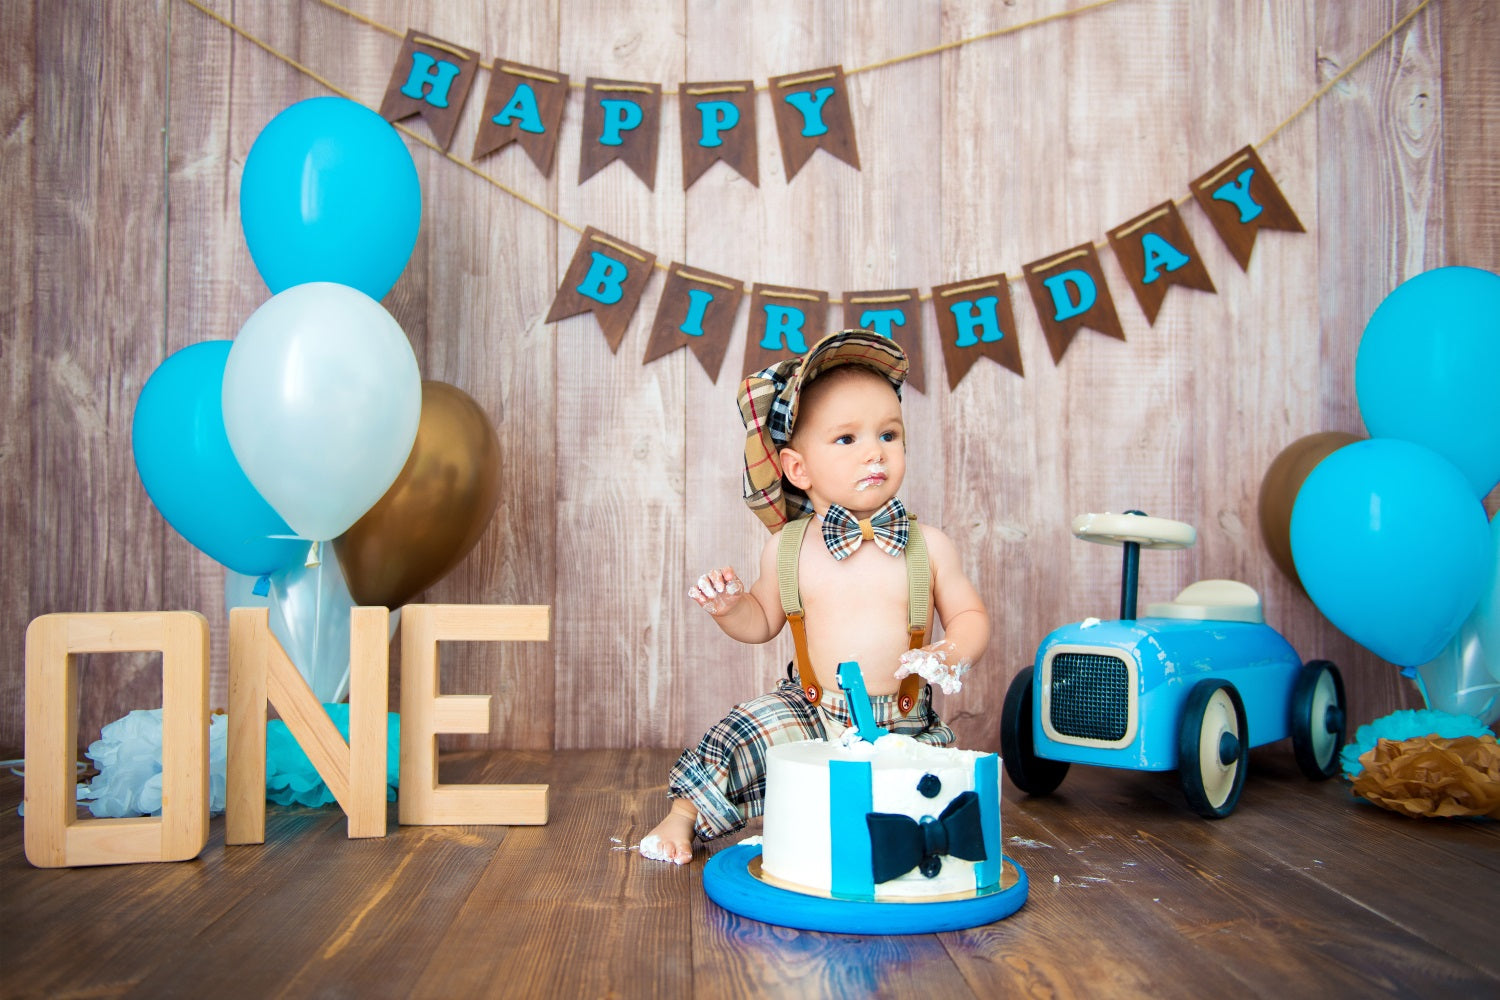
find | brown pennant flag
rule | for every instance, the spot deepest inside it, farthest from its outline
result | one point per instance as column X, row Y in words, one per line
column 1069, row 293
column 1156, row 252
column 697, row 310
column 524, row 105
column 975, row 320
column 432, row 78
column 784, row 323
column 606, row 278
column 621, row 121
column 812, row 112
column 895, row 314
column 718, row 123
column 1241, row 198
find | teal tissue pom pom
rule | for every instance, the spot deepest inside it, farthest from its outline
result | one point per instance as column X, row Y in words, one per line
column 290, row 776
column 1404, row 725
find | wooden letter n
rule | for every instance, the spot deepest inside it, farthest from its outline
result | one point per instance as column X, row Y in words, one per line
column 425, row 713
column 354, row 772
column 55, row 837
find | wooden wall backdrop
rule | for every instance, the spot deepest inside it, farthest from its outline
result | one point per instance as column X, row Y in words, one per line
column 126, row 128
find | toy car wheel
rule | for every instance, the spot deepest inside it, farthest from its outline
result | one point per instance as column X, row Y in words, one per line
column 1212, row 748
column 1318, row 719
column 1031, row 774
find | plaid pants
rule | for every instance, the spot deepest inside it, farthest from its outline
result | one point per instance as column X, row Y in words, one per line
column 725, row 775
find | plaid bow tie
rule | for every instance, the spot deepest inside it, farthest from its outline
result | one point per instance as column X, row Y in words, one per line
column 887, row 528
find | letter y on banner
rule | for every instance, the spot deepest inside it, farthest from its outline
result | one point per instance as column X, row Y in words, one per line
column 812, row 113
column 621, row 120
column 432, row 78
column 606, row 278
column 1241, row 198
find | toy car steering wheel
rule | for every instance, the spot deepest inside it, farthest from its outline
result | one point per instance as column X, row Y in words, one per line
column 1147, row 532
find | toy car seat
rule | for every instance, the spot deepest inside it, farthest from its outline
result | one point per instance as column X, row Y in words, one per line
column 1212, row 600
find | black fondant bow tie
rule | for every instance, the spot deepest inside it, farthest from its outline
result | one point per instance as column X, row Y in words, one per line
column 899, row 843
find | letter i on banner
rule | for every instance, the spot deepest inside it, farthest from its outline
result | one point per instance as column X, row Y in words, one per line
column 718, row 123
column 621, row 121
column 1069, row 293
column 432, row 78
column 524, row 105
column 895, row 314
column 696, row 311
column 784, row 323
column 1156, row 252
column 976, row 320
column 812, row 113
column 1241, row 198
column 606, row 278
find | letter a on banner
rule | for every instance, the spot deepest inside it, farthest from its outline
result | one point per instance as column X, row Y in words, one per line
column 524, row 105
column 784, row 323
column 621, row 120
column 696, row 311
column 975, row 320
column 1156, row 252
column 1069, row 293
column 432, row 78
column 718, row 123
column 1241, row 198
column 606, row 278
column 894, row 314
column 812, row 113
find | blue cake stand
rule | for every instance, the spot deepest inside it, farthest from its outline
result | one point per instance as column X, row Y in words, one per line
column 730, row 881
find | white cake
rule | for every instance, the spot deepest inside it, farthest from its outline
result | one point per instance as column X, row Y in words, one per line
column 819, row 836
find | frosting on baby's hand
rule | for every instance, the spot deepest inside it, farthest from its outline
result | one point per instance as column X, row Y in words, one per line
column 932, row 664
column 717, row 591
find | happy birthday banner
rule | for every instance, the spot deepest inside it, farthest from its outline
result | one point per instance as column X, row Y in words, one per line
column 975, row 316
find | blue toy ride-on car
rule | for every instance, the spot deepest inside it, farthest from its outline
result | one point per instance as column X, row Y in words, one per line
column 1191, row 686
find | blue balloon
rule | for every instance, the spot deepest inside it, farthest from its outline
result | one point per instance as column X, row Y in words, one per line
column 330, row 193
column 182, row 454
column 1428, row 365
column 1392, row 546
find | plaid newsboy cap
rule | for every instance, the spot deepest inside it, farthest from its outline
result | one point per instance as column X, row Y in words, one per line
column 768, row 404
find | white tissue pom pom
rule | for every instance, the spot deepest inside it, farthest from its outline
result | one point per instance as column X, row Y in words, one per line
column 128, row 756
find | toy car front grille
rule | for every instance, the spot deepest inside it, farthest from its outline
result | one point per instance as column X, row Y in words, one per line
column 1090, row 696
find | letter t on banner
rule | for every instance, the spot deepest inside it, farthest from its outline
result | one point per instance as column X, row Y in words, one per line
column 1069, row 292
column 431, row 78
column 524, row 105
column 812, row 113
column 975, row 320
column 605, row 278
column 621, row 120
column 1240, row 198
column 894, row 314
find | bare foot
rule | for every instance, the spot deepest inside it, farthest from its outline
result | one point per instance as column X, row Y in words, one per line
column 672, row 838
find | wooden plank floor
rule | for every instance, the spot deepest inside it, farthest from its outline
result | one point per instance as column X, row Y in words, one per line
column 1303, row 892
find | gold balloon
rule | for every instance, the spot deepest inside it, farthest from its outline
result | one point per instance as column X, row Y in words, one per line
column 1278, row 492
column 434, row 512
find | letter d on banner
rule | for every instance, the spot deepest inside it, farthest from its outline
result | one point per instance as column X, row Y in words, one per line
column 606, row 278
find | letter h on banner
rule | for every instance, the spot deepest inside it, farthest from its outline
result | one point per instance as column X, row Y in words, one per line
column 431, row 78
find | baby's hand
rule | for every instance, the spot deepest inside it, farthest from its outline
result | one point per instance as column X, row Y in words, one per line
column 718, row 591
column 937, row 663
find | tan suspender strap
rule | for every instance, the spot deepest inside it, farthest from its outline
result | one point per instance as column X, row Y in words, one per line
column 788, row 549
column 918, row 610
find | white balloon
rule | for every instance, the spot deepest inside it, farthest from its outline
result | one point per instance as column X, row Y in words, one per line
column 322, row 398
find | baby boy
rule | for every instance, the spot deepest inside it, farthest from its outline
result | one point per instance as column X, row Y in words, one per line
column 825, row 455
